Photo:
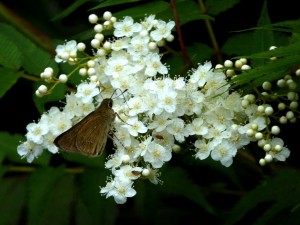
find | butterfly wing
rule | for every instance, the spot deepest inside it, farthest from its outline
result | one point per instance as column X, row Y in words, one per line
column 92, row 137
column 67, row 140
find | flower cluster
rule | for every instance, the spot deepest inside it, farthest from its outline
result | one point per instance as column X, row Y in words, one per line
column 156, row 113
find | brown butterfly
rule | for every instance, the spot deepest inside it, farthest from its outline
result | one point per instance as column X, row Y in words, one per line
column 89, row 135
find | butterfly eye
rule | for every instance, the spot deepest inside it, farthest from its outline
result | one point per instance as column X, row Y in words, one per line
column 110, row 103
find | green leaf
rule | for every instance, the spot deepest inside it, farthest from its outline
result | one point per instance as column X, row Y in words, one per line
column 108, row 3
column 8, row 147
column 12, row 195
column 97, row 208
column 34, row 59
column 50, row 197
column 7, row 79
column 10, row 55
column 215, row 7
column 178, row 183
column 69, row 10
column 281, row 192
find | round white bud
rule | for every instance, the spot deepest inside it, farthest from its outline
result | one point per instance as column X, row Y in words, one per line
column 267, row 147
column 292, row 85
column 170, row 38
column 107, row 24
column 294, row 105
column 281, row 83
column 269, row 110
column 251, row 98
column 283, row 120
column 267, row 85
column 261, row 108
column 281, row 106
column 293, row 120
column 63, row 78
column 238, row 64
column 152, row 45
column 161, row 43
column 125, row 159
column 258, row 136
column 277, row 148
column 254, row 126
column 91, row 63
column 244, row 60
column 262, row 162
column 94, row 78
column 228, row 63
column 219, row 66
column 113, row 19
column 146, row 172
column 261, row 143
column 176, row 148
column 245, row 103
column 297, row 72
column 275, row 130
column 93, row 18
column 291, row 96
column 82, row 72
column 95, row 43
column 107, row 45
column 91, row 71
column 48, row 73
column 250, row 132
column 43, row 89
column 268, row 158
column 81, row 46
column 107, row 15
column 99, row 37
column 230, row 73
column 101, row 52
column 144, row 33
column 38, row 94
column 290, row 115
column 245, row 67
column 272, row 47
column 98, row 28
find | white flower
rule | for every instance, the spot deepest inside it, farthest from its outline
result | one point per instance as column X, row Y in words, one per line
column 160, row 122
column 127, row 172
column 136, row 106
column 224, row 152
column 66, row 52
column 121, row 43
column 197, row 127
column 203, row 149
column 36, row 131
column 176, row 128
column 154, row 65
column 117, row 65
column 119, row 189
column 167, row 100
column 138, row 47
column 126, row 27
column 163, row 30
column 283, row 153
column 157, row 155
column 86, row 92
column 29, row 150
column 200, row 75
column 58, row 121
column 135, row 127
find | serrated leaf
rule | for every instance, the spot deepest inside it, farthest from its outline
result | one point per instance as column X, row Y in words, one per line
column 50, row 196
column 12, row 195
column 108, row 3
column 178, row 183
column 99, row 209
column 75, row 5
column 10, row 55
column 281, row 191
column 215, row 7
column 7, row 79
column 34, row 59
column 9, row 144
